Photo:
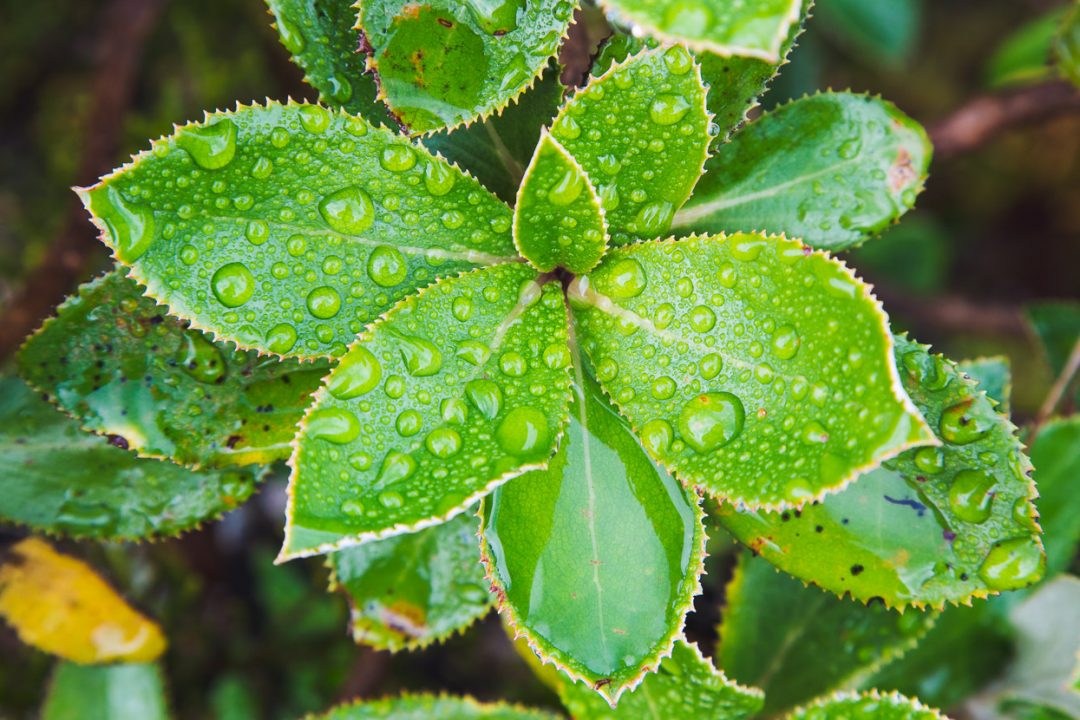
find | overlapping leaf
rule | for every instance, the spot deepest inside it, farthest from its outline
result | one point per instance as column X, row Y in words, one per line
column 866, row 706
column 1055, row 453
column 430, row 707
column 832, row 169
column 933, row 525
column 114, row 360
column 106, row 692
column 288, row 228
column 993, row 376
column 445, row 63
column 408, row 591
column 640, row 131
column 1066, row 45
column 797, row 642
column 457, row 389
column 687, row 685
column 753, row 367
column 60, row 479
column 597, row 558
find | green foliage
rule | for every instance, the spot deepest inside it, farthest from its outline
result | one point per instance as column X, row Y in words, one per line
column 1055, row 453
column 867, row 706
column 427, row 707
column 993, row 376
column 1057, row 325
column 883, row 31
column 1065, row 46
column 1025, row 55
column 106, row 692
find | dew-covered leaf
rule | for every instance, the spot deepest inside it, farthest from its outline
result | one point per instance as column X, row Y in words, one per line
column 408, row 591
column 723, row 27
column 496, row 150
column 456, row 390
column 832, row 169
column 871, row 705
column 106, row 692
column 115, row 361
column 935, row 524
column 444, row 63
column 558, row 220
column 640, row 131
column 687, row 685
column 320, row 36
column 596, row 559
column 60, row 479
column 288, row 228
column 797, row 642
column 753, row 367
column 1055, row 453
column 58, row 604
column 429, row 707
column 993, row 376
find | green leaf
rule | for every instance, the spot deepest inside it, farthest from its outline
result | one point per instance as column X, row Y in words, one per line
column 497, row 149
column 866, row 706
column 1025, row 54
column 106, row 692
column 645, row 165
column 409, row 591
column 1057, row 324
column 320, row 36
column 445, row 63
column 1055, row 453
column 752, row 367
column 116, row 362
column 453, row 392
column 885, row 31
column 993, row 376
column 832, row 169
column 933, row 525
column 724, row 27
column 62, row 480
column 596, row 560
column 797, row 642
column 429, row 707
column 1065, row 48
column 288, row 228
column 687, row 685
column 558, row 221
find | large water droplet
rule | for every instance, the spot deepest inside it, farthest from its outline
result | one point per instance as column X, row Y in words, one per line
column 971, row 495
column 314, row 118
column 397, row 158
column 523, row 432
column 397, row 466
column 357, row 374
column 422, row 357
column 200, row 358
column 349, row 211
column 930, row 460
column 335, row 425
column 963, row 423
column 387, row 266
column 1013, row 564
column 486, row 396
column 702, row 318
column 233, row 284
column 130, row 225
column 668, row 109
column 567, row 189
column 711, row 420
column 438, row 178
column 785, row 342
column 654, row 218
column 656, row 436
column 473, row 352
column 211, row 146
column 291, row 36
column 678, row 60
column 443, row 443
column 324, row 302
column 625, row 279
column 281, row 338
column 409, row 423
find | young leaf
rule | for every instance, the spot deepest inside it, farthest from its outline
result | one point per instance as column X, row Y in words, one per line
column 60, row 479
column 558, row 221
column 752, row 367
column 453, row 392
column 288, row 228
column 60, row 605
column 445, row 63
column 1055, row 453
column 866, row 706
column 936, row 524
column 726, row 28
column 1057, row 325
column 645, row 164
column 106, row 692
column 429, row 707
column 1066, row 46
column 320, row 36
column 797, row 642
column 115, row 361
column 832, row 169
column 993, row 376
column 1025, row 55
column 596, row 560
column 409, row 591
column 687, row 685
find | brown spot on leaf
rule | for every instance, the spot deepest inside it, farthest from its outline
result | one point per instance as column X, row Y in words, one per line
column 901, row 174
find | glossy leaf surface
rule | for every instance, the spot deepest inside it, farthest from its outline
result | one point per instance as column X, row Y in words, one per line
column 408, row 591
column 558, row 220
column 115, row 361
column 597, row 558
column 106, row 692
column 456, row 390
column 993, row 376
column 866, row 706
column 933, row 525
column 687, row 685
column 60, row 479
column 727, row 27
column 58, row 604
column 640, row 131
column 444, row 63
column 754, row 368
column 797, row 642
column 288, row 228
column 1055, row 453
column 831, row 169
column 320, row 36
column 429, row 707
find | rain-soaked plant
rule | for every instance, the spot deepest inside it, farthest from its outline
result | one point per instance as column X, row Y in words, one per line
column 654, row 317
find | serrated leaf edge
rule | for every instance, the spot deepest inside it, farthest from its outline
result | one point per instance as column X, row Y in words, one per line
column 469, row 700
column 893, row 697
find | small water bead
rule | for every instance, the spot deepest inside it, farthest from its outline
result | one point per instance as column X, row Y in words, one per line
column 678, row 60
column 262, row 168
column 625, row 279
column 397, row 158
column 396, row 466
column 513, row 364
column 785, row 342
column 684, row 287
column 279, row 270
column 438, row 178
column 664, row 315
column 335, row 425
column 200, row 358
column 567, row 189
column 279, row 137
column 607, row 370
column 189, row 255
column 702, row 319
column 462, row 308
column 422, row 357
column 352, row 508
column 233, row 284
column 257, row 232
column 814, row 433
column 314, row 118
column 486, row 396
column 212, row 146
column 523, row 432
column 409, row 423
column 1013, row 564
column 711, row 420
column 654, row 218
column 357, row 374
column 962, row 423
column 711, row 365
column 281, row 338
column 391, row 500
column 473, row 352
column 971, row 495
column 850, row 149
column 395, row 386
column 387, row 267
column 324, row 302
column 929, row 460
column 557, row 357
column 668, row 109
column 566, row 128
column 656, row 437
column 130, row 225
column 443, row 443
column 348, row 211
column 332, row 265
column 452, row 219
column 663, row 388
